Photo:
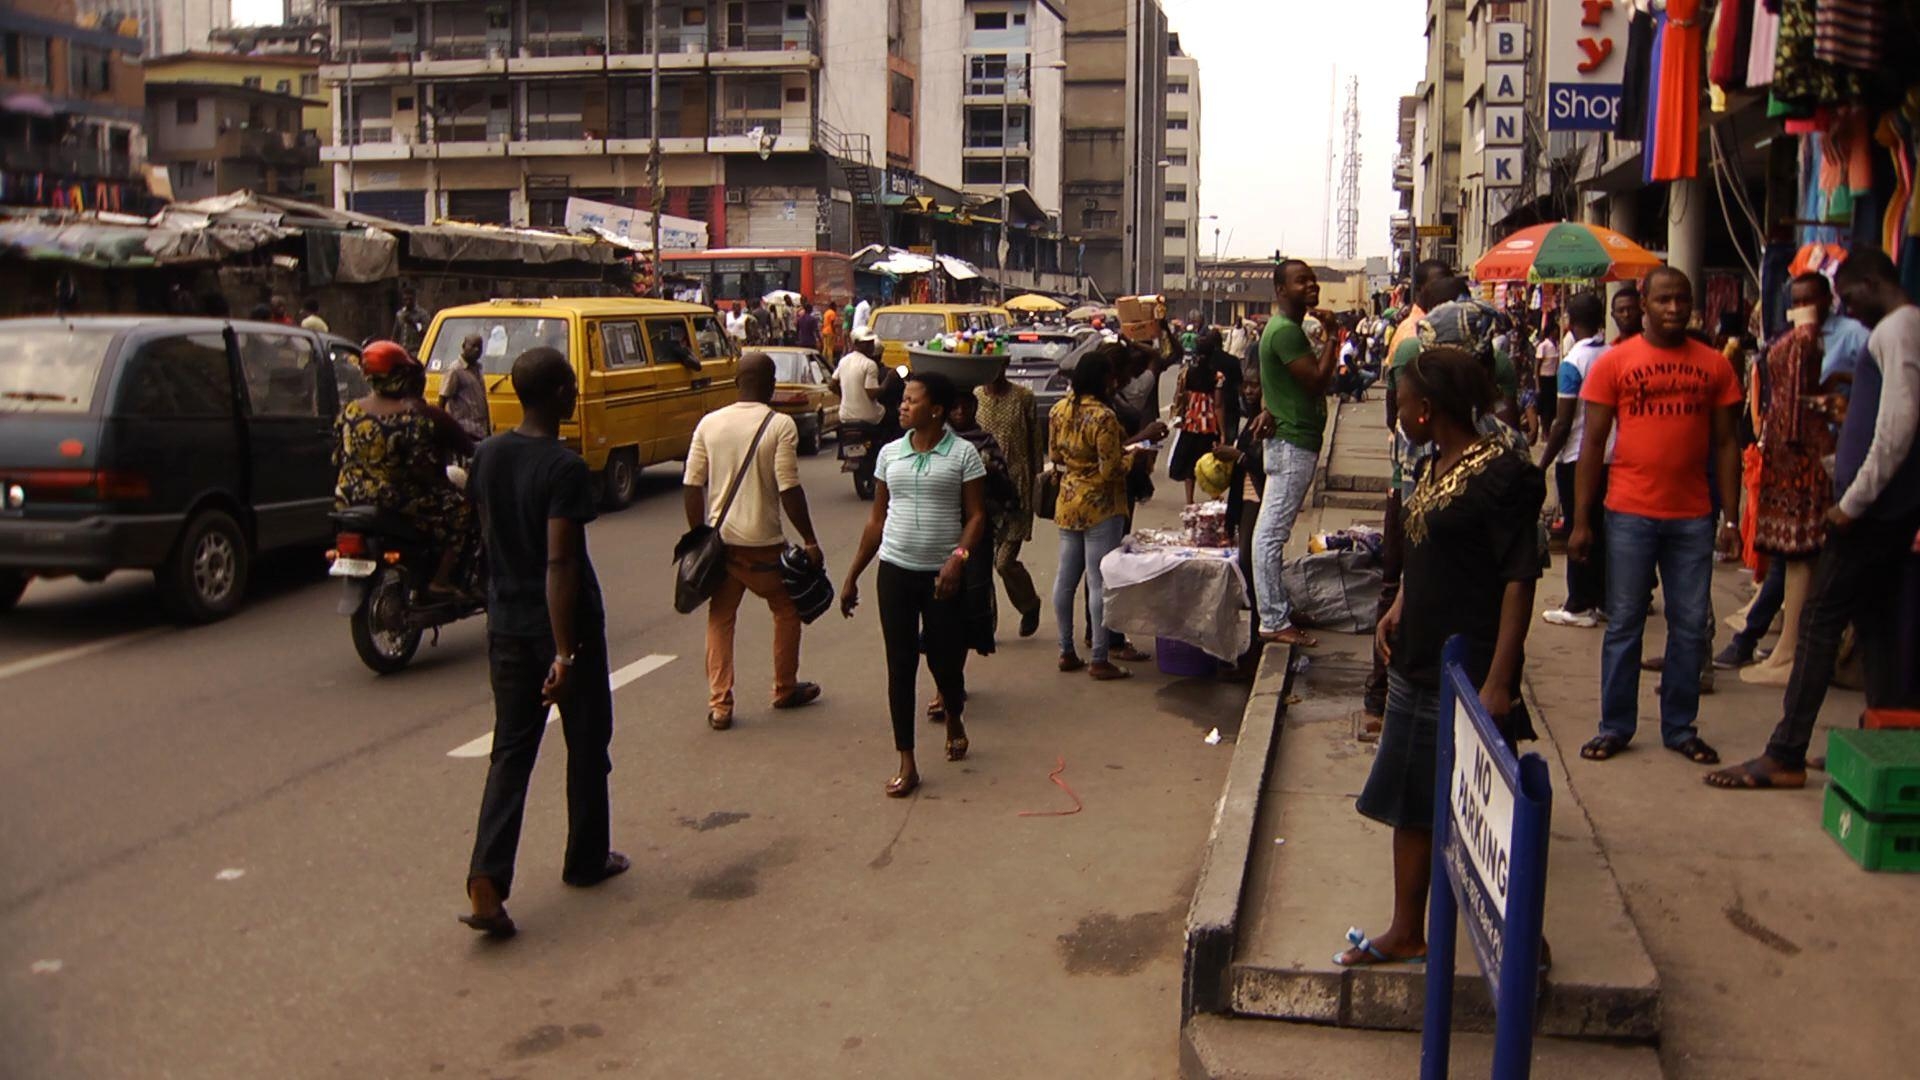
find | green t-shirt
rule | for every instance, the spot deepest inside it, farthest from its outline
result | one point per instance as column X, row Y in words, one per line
column 1300, row 417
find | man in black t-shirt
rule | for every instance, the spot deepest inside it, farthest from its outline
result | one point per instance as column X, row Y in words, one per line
column 547, row 639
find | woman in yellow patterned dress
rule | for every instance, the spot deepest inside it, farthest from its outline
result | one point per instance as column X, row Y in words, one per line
column 392, row 450
column 1471, row 562
column 1083, row 441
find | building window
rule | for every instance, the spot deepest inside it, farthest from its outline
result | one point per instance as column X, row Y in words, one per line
column 796, row 95
column 1099, row 219
column 29, row 59
column 987, row 75
column 284, row 86
column 1174, row 268
column 88, row 70
column 980, row 172
column 899, row 94
column 309, row 85
column 1177, row 194
column 1177, row 160
column 984, row 129
column 1176, row 232
column 252, row 82
column 1177, row 125
column 1179, row 87
column 186, row 111
column 989, row 20
column 1019, row 18
column 554, row 110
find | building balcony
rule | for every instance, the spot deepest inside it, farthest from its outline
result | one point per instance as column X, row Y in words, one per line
column 275, row 149
column 373, row 142
column 785, row 46
column 89, row 162
column 692, row 60
column 752, row 134
column 370, row 62
column 459, row 61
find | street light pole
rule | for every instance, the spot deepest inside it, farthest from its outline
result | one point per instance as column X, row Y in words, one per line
column 653, row 153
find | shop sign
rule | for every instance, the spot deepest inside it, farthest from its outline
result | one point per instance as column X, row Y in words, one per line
column 627, row 223
column 1506, row 84
column 1506, row 125
column 1434, row 232
column 1502, row 166
column 1503, row 129
column 1586, row 62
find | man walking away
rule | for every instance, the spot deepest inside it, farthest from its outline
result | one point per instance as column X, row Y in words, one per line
column 409, row 323
column 806, row 328
column 863, row 314
column 1293, row 381
column 1676, row 400
column 310, row 316
column 464, row 393
column 1877, row 476
column 1587, row 578
column 1006, row 411
column 727, row 443
column 547, row 639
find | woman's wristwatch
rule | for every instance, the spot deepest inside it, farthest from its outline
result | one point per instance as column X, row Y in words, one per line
column 963, row 553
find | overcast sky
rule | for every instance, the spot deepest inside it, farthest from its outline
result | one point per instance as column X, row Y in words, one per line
column 1265, row 73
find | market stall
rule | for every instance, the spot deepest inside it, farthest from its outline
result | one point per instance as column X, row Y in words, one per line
column 1183, row 587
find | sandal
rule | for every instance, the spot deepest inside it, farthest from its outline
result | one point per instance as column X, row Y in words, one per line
column 1697, row 751
column 936, row 711
column 902, row 786
column 1292, row 635
column 1367, row 727
column 957, row 749
column 1105, row 672
column 1751, row 776
column 1071, row 662
column 1370, row 955
column 1602, row 747
column 1129, row 654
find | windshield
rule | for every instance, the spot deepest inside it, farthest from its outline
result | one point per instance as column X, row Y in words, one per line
column 50, row 368
column 503, row 338
column 908, row 326
column 794, row 367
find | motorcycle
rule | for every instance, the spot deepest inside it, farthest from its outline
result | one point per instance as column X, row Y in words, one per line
column 384, row 566
column 859, row 444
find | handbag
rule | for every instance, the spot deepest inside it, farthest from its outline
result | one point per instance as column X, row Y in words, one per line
column 1046, row 492
column 700, row 558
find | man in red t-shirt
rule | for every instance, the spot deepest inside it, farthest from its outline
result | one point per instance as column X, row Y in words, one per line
column 1675, row 401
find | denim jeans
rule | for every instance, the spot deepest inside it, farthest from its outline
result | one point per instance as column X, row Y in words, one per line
column 1682, row 550
column 1080, row 553
column 1766, row 605
column 1289, row 474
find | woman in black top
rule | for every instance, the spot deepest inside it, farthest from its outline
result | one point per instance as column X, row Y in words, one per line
column 1471, row 562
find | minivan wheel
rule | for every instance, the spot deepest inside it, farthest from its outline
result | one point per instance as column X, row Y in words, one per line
column 206, row 577
column 12, row 584
column 620, row 478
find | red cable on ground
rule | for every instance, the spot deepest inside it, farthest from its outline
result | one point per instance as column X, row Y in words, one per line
column 1060, row 766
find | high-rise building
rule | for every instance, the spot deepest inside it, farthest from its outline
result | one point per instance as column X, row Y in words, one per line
column 166, row 26
column 1185, row 243
column 71, row 132
column 1438, row 161
column 1115, row 136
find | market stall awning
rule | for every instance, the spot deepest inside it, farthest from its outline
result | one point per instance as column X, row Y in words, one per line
column 958, row 269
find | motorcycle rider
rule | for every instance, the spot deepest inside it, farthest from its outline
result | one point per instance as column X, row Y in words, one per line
column 392, row 449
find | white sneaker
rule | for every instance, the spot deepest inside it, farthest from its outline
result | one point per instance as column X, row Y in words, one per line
column 1584, row 620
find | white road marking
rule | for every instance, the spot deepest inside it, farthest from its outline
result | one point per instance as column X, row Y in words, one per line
column 73, row 652
column 646, row 665
column 46, row 967
column 230, row 874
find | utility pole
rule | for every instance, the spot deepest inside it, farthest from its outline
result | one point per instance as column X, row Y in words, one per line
column 653, row 153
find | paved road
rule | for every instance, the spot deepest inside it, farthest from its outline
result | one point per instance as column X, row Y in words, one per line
column 231, row 851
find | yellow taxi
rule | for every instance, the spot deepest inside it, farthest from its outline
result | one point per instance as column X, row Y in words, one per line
column 910, row 324
column 805, row 390
column 648, row 371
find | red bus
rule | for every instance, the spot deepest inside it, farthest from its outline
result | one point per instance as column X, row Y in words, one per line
column 734, row 274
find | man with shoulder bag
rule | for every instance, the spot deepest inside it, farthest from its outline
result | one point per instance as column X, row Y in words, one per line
column 743, row 470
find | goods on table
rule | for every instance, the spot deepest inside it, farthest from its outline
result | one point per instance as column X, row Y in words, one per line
column 1358, row 538
column 1212, row 474
column 1873, row 797
column 1206, row 524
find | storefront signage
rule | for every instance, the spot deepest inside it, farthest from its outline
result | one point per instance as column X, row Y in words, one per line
column 1441, row 232
column 1503, row 117
column 1506, row 125
column 1586, row 61
column 627, row 223
column 1492, row 812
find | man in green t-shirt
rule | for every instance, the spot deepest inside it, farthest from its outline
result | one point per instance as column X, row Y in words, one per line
column 1294, row 377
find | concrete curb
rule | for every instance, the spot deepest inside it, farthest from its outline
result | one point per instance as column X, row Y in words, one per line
column 1213, row 917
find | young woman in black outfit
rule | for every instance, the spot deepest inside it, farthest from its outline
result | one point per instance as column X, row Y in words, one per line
column 1471, row 562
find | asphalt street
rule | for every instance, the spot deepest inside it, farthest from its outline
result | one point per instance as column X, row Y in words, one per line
column 232, row 851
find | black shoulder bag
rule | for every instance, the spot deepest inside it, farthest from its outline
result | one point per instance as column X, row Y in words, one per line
column 700, row 558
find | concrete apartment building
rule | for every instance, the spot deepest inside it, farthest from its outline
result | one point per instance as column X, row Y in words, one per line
column 1115, row 136
column 71, row 126
column 166, row 26
column 1186, row 243
column 277, row 70
column 1400, row 226
column 1442, row 115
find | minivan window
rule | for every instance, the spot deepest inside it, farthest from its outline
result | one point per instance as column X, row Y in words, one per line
column 51, row 368
column 503, row 338
column 185, row 375
column 714, row 342
column 908, row 326
column 620, row 345
column 667, row 338
column 795, row 367
column 281, row 374
column 348, row 379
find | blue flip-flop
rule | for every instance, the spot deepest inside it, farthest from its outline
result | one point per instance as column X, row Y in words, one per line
column 1359, row 940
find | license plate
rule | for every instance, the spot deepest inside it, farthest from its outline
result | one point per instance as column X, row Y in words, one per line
column 353, row 568
column 854, row 451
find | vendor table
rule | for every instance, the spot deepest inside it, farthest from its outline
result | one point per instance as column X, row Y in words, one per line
column 1195, row 595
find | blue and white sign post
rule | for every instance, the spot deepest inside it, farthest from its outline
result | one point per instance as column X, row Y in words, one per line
column 1490, row 817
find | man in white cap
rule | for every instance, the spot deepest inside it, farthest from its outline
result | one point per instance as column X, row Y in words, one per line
column 859, row 377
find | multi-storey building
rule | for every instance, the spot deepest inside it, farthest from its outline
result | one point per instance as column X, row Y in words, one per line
column 1184, row 242
column 1115, row 135
column 1400, row 226
column 71, row 127
column 1438, row 160
column 289, row 79
column 165, row 26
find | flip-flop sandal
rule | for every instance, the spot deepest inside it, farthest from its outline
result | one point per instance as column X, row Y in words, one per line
column 936, row 712
column 1357, row 939
column 1367, row 728
column 1602, row 747
column 1291, row 636
column 1697, row 751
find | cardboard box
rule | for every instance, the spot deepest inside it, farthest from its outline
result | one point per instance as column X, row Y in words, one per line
column 1138, row 309
column 1145, row 333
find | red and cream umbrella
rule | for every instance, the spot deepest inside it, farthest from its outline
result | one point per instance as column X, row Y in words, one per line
column 1565, row 251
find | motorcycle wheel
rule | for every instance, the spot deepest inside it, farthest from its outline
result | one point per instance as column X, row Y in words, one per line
column 379, row 633
column 863, row 486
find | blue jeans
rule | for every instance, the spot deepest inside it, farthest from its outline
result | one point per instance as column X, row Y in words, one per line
column 1289, row 474
column 1682, row 549
column 1080, row 553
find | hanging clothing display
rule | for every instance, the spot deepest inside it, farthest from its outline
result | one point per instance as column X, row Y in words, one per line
column 1676, row 124
column 1801, row 80
column 1731, row 43
column 1764, row 40
column 1848, row 33
column 1630, row 119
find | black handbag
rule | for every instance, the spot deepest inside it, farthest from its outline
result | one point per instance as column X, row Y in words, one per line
column 807, row 585
column 700, row 558
column 1046, row 493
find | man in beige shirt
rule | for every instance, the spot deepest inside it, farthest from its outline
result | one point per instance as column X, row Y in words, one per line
column 751, row 531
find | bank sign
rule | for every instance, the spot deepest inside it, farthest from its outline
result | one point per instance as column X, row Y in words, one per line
column 1586, row 62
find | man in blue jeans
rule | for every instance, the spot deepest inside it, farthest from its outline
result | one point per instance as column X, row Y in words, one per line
column 1294, row 377
column 1676, row 401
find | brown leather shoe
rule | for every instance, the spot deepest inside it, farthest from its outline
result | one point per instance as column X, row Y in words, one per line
column 719, row 721
column 489, row 910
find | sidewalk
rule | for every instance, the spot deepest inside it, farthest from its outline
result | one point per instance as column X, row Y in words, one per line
column 1774, row 953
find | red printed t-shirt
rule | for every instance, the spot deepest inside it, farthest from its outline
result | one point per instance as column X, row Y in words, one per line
column 1663, row 402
